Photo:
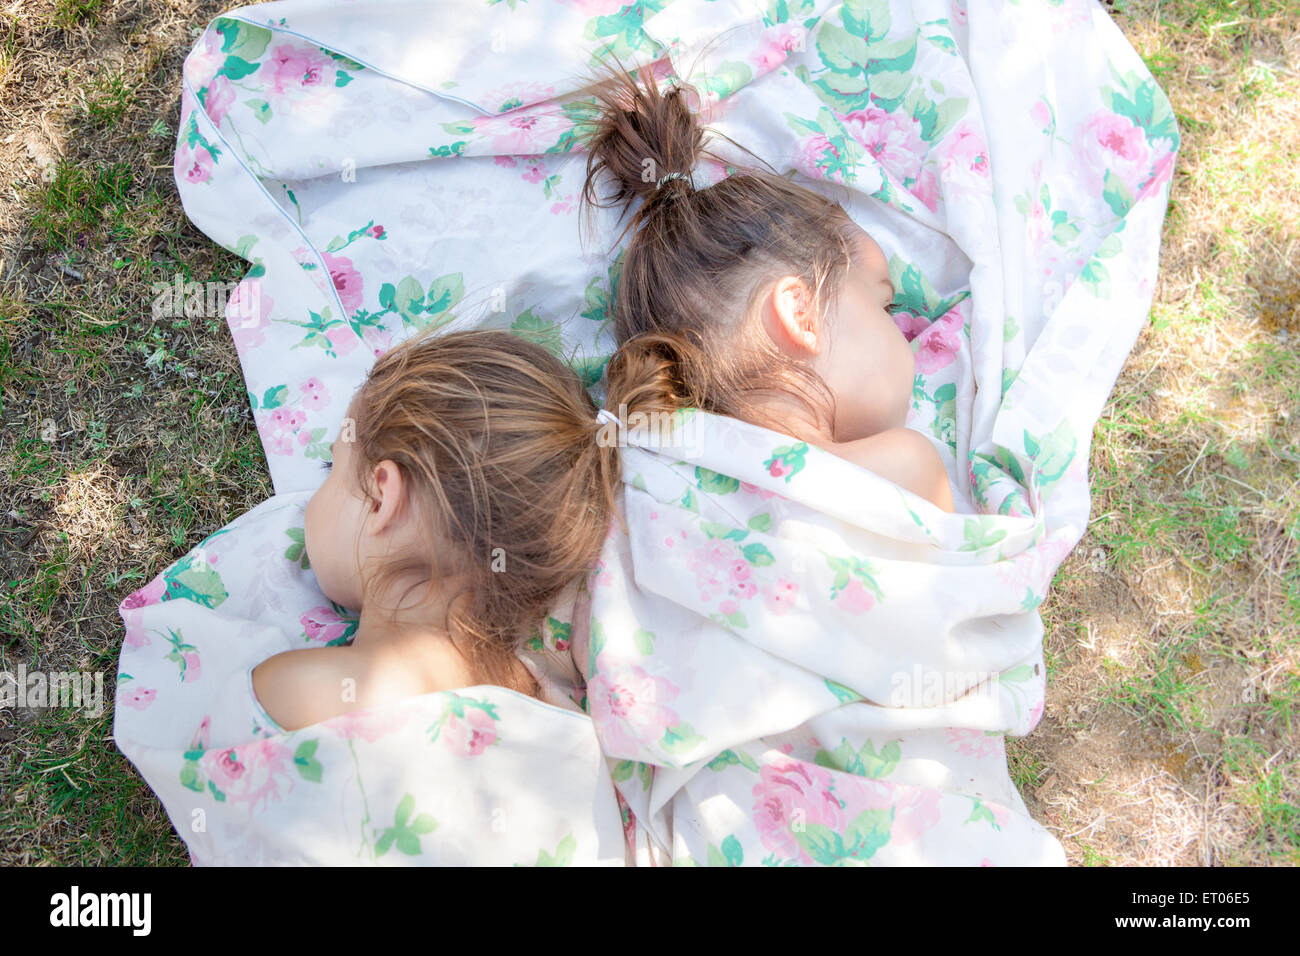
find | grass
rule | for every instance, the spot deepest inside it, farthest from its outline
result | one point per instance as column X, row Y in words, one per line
column 1172, row 648
column 1170, row 717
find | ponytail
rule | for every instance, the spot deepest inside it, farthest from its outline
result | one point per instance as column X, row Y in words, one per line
column 694, row 271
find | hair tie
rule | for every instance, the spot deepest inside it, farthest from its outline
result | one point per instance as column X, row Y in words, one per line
column 664, row 179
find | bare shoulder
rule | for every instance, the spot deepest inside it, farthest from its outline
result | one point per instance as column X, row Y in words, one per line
column 303, row 687
column 908, row 459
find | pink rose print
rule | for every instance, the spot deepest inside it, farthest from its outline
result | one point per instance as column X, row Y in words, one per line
column 811, row 151
column 1036, row 713
column 535, row 173
column 763, row 493
column 296, row 68
column 377, row 340
column 926, row 188
column 376, row 232
column 792, row 792
column 710, row 563
column 915, row 809
column 522, row 132
column 135, row 632
column 894, row 139
column 911, row 325
column 974, row 743
column 1033, row 569
column 854, row 598
column 1041, row 115
column 193, row 165
column 205, row 59
column 778, row 468
column 965, row 159
column 937, row 346
column 248, row 312
column 323, row 624
column 139, row 698
column 780, row 597
column 218, row 99
column 254, row 773
column 342, row 339
column 151, row 593
column 629, row 708
column 193, row 668
column 472, row 735
column 1106, row 142
column 314, row 393
column 346, row 279
column 369, row 724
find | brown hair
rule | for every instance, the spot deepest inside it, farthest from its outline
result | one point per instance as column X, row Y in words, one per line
column 496, row 440
column 700, row 260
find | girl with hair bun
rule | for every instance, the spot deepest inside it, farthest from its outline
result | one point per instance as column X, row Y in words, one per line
column 753, row 298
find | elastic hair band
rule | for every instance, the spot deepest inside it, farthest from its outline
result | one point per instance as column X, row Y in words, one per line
column 664, row 179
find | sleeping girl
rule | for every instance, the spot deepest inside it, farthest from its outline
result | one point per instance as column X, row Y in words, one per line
column 753, row 298
column 466, row 492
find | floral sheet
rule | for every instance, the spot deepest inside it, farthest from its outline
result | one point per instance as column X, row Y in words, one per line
column 788, row 659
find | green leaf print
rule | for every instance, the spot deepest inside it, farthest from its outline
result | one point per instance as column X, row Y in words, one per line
column 1116, row 194
column 757, row 555
column 445, row 293
column 727, row 77
column 761, row 522
column 843, row 694
column 981, row 814
column 732, row 758
column 563, row 853
column 715, row 483
column 916, row 295
column 1051, row 453
column 680, row 737
column 865, row 762
column 644, row 641
column 274, row 396
column 731, row 854
column 304, row 758
column 856, row 844
column 242, row 39
column 980, row 533
column 192, row 579
column 405, row 832
column 297, row 550
column 261, row 110
column 540, row 331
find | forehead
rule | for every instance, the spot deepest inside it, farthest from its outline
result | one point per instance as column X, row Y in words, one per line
column 868, row 255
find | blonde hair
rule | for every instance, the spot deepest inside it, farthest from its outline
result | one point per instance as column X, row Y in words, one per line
column 495, row 439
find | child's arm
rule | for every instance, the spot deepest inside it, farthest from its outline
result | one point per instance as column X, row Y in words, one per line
column 906, row 458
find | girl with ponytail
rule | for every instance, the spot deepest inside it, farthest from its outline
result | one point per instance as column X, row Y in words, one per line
column 754, row 297
column 467, row 491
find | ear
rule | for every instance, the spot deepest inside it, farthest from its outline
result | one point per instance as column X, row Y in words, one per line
column 790, row 319
column 388, row 487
